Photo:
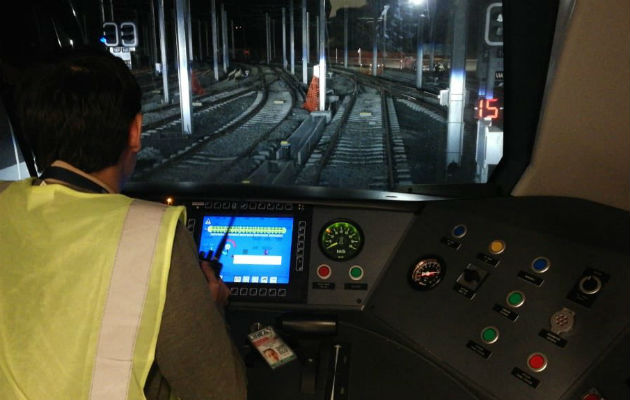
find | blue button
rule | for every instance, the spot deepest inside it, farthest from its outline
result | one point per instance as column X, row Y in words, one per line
column 459, row 231
column 541, row 264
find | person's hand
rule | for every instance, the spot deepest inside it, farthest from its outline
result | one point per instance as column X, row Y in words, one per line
column 218, row 289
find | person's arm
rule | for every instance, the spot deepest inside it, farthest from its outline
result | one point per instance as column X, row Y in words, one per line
column 195, row 354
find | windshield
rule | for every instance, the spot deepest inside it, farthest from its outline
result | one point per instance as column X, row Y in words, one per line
column 366, row 94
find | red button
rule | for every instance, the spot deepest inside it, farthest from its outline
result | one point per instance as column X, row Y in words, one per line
column 323, row 271
column 592, row 396
column 537, row 362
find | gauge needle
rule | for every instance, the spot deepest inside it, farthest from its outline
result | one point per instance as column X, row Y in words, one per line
column 429, row 273
column 332, row 245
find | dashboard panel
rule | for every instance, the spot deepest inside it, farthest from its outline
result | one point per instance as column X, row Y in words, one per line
column 495, row 298
column 308, row 274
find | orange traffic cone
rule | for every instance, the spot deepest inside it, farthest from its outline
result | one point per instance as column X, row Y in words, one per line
column 312, row 96
column 196, row 86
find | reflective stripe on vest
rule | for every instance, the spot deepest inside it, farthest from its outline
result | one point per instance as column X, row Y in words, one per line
column 125, row 301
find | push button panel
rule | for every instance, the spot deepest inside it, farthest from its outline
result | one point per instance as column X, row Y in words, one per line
column 503, row 300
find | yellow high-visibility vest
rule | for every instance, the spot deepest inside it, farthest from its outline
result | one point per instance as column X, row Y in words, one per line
column 82, row 288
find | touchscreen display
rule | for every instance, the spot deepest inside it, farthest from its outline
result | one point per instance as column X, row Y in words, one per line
column 257, row 249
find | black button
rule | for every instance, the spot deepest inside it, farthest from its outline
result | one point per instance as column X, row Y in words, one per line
column 471, row 275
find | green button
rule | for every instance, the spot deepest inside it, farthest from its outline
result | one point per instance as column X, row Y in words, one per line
column 356, row 272
column 489, row 335
column 516, row 299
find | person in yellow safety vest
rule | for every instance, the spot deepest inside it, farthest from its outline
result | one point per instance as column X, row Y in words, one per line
column 101, row 295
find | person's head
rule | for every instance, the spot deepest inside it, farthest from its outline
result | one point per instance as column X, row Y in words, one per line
column 272, row 354
column 79, row 108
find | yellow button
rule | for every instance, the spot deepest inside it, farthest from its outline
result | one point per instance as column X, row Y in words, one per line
column 497, row 247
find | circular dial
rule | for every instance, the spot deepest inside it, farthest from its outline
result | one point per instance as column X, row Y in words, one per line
column 341, row 240
column 427, row 273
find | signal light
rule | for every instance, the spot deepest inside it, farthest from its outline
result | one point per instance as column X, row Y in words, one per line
column 494, row 25
column 110, row 34
column 128, row 34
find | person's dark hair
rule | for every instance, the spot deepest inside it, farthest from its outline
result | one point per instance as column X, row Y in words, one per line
column 78, row 108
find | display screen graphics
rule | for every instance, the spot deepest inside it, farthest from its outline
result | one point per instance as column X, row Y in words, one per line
column 257, row 249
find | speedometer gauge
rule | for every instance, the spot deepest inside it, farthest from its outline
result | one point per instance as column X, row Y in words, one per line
column 427, row 273
column 341, row 240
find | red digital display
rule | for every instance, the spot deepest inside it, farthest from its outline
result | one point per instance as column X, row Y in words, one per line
column 487, row 109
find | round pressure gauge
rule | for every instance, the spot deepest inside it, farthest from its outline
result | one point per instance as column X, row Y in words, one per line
column 427, row 273
column 341, row 240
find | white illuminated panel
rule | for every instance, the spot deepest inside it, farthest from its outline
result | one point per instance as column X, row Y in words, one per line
column 257, row 260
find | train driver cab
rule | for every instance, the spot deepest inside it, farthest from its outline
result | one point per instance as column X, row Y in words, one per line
column 416, row 199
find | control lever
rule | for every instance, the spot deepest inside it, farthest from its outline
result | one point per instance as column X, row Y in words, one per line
column 332, row 389
column 309, row 331
column 338, row 386
column 309, row 325
column 213, row 259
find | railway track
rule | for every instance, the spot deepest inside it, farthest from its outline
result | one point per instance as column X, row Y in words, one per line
column 360, row 156
column 425, row 99
column 367, row 148
column 227, row 153
column 362, row 146
column 160, row 116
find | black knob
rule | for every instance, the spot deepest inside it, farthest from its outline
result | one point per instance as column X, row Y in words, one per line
column 471, row 275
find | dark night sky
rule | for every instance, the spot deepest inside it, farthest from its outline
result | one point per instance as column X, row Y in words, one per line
column 31, row 18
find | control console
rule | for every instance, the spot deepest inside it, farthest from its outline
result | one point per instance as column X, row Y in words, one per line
column 261, row 246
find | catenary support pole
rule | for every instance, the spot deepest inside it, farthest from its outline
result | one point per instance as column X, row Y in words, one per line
column 224, row 37
column 419, row 50
column 284, row 38
column 185, row 98
column 292, row 36
column 268, row 37
column 164, row 60
column 457, row 91
column 345, row 37
column 189, row 36
column 375, row 49
column 304, row 43
column 215, row 40
column 322, row 54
